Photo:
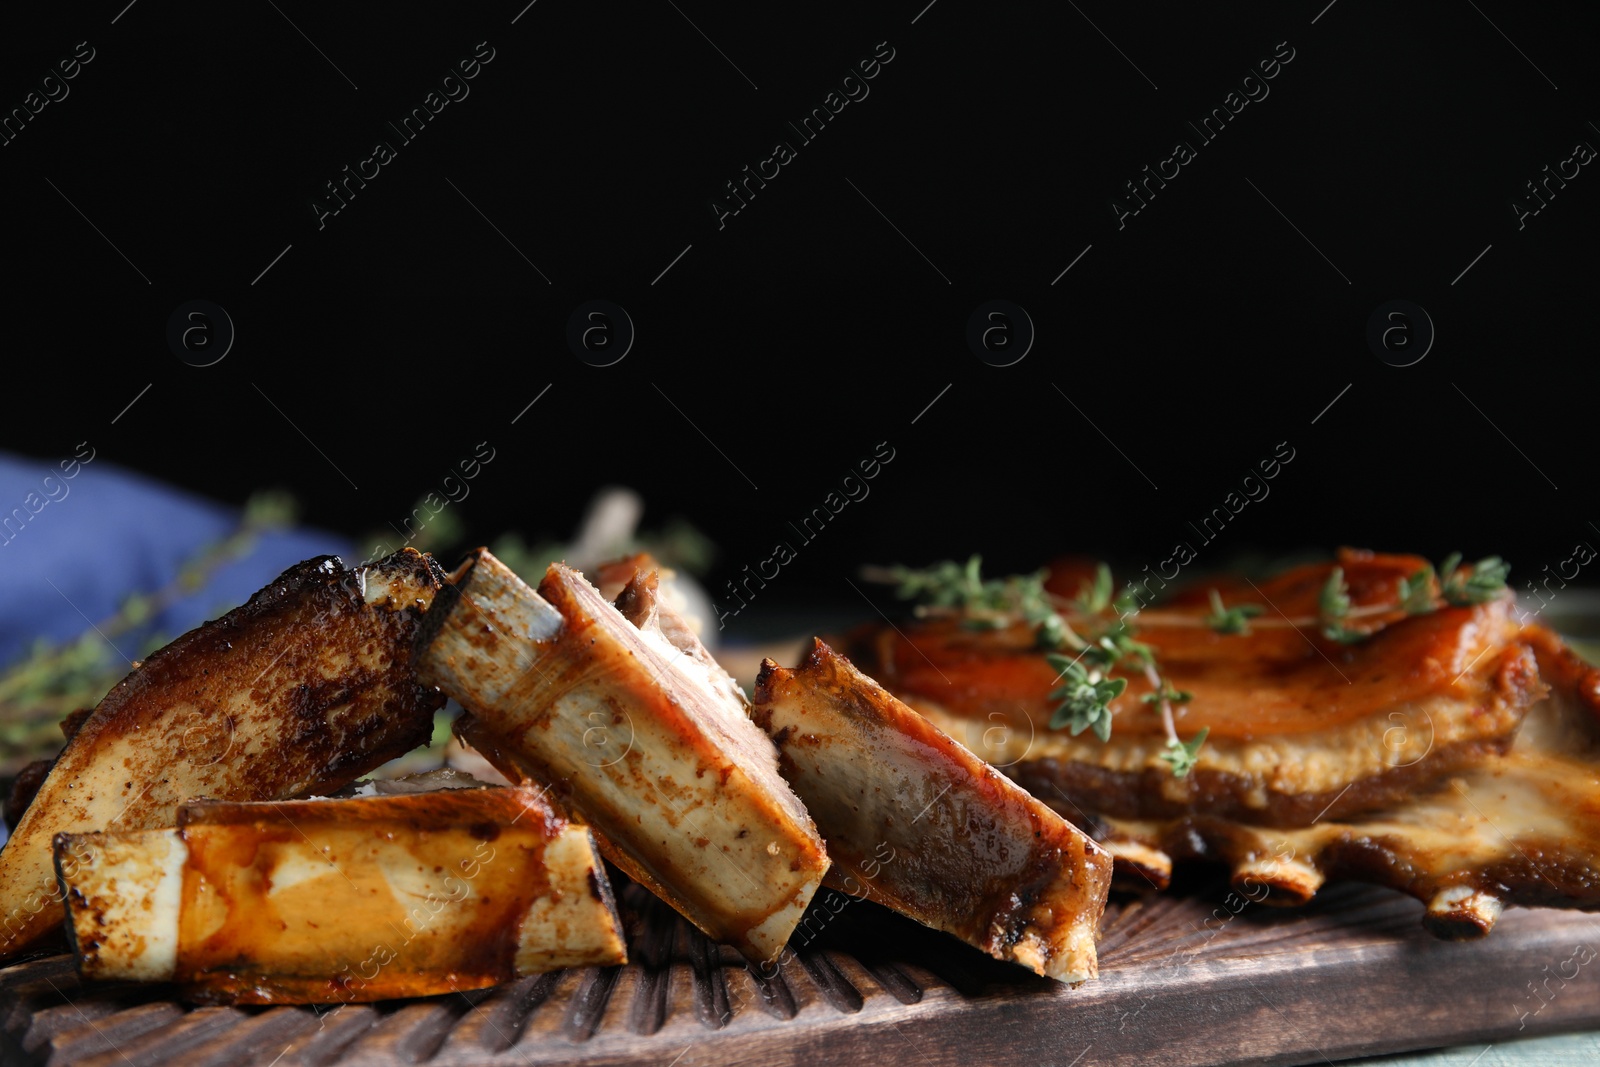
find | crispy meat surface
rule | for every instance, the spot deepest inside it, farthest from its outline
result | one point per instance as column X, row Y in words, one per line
column 915, row 821
column 304, row 688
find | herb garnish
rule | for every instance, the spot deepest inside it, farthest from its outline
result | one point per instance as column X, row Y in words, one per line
column 1106, row 643
column 1234, row 620
column 1333, row 607
column 1093, row 626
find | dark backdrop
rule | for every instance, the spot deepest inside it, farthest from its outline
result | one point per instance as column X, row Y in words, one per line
column 779, row 348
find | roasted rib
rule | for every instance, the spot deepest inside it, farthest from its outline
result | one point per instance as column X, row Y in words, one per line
column 1300, row 726
column 341, row 900
column 645, row 741
column 1521, row 828
column 915, row 821
column 304, row 688
column 1453, row 755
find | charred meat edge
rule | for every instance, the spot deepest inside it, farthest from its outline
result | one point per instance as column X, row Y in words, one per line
column 305, row 687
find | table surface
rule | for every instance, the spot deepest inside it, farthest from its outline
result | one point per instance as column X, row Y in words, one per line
column 1351, row 975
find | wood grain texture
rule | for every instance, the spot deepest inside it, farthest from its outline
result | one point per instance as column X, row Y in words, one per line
column 1185, row 980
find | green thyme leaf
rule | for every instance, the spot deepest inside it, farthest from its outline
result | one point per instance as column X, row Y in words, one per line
column 1182, row 755
column 1344, row 634
column 1094, row 597
column 1052, row 632
column 1447, row 569
column 1332, row 606
column 1416, row 592
column 1484, row 583
column 985, row 604
column 1234, row 620
column 1334, row 603
column 1104, row 644
column 1084, row 702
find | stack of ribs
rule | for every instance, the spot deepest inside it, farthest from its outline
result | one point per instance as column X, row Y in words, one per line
column 185, row 832
column 624, row 715
column 303, row 689
column 1453, row 755
column 202, row 826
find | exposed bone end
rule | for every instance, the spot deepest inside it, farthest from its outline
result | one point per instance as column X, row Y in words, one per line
column 577, row 922
column 638, row 737
column 492, row 633
column 1289, row 882
column 123, row 893
column 443, row 890
column 1072, row 962
column 1461, row 913
column 407, row 578
column 1138, row 867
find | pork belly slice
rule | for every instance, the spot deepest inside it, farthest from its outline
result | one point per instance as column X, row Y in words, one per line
column 914, row 820
column 304, row 688
column 639, row 739
column 1301, row 727
column 1522, row 828
column 341, row 900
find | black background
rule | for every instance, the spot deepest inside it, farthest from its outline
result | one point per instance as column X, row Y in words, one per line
column 809, row 329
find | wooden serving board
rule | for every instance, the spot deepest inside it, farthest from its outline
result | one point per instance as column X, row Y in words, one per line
column 1191, row 978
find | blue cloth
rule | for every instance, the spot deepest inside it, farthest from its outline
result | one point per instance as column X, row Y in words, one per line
column 73, row 550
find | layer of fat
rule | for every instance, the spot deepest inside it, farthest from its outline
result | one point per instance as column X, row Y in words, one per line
column 1283, row 764
column 124, row 893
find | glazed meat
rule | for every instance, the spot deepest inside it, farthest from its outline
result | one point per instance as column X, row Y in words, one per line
column 915, row 821
column 646, row 740
column 1452, row 755
column 304, row 688
column 1520, row 828
column 341, row 900
column 1300, row 726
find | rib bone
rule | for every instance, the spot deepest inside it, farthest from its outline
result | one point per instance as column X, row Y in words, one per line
column 341, row 900
column 636, row 736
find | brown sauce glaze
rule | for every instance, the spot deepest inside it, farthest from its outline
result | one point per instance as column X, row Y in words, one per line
column 360, row 899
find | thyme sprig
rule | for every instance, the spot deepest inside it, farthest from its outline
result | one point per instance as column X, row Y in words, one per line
column 1181, row 757
column 1234, row 620
column 1085, row 697
column 1091, row 625
column 1479, row 583
column 1487, row 578
column 55, row 678
column 1333, row 607
column 1094, row 627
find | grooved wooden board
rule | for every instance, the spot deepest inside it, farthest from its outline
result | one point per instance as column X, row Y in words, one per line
column 1184, row 980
